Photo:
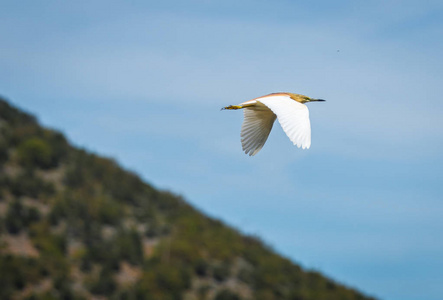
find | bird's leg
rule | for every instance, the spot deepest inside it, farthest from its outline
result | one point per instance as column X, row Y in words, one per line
column 232, row 107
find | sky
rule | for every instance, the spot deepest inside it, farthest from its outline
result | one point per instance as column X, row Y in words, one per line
column 143, row 82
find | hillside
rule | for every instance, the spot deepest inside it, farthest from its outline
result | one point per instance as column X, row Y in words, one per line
column 74, row 225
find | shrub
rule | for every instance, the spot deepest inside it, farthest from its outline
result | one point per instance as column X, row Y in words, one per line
column 105, row 284
column 35, row 152
column 226, row 295
column 15, row 273
column 27, row 184
column 221, row 272
column 130, row 246
column 3, row 152
column 59, row 146
column 201, row 267
column 20, row 217
column 165, row 281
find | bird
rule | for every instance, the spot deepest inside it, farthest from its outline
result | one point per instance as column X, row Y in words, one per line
column 260, row 114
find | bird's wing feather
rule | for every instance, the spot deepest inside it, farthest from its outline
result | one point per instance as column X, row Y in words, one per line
column 257, row 125
column 293, row 117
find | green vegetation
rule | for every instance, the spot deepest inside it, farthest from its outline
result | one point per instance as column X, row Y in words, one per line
column 226, row 295
column 86, row 228
column 15, row 272
column 19, row 217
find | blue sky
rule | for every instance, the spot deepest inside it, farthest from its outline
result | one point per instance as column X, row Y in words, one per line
column 144, row 81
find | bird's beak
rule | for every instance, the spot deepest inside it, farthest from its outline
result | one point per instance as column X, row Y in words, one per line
column 311, row 100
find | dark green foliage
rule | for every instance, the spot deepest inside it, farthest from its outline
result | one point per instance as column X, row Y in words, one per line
column 221, row 272
column 29, row 184
column 19, row 217
column 156, row 229
column 105, row 284
column 226, row 295
column 23, row 132
column 14, row 116
column 82, row 210
column 164, row 280
column 75, row 174
column 16, row 272
column 4, row 182
column 129, row 246
column 34, row 152
column 118, row 184
column 53, row 245
column 124, row 246
column 201, row 267
column 109, row 212
column 4, row 155
column 115, row 220
column 127, row 294
column 45, row 152
column 63, row 287
column 58, row 145
column 246, row 276
column 13, row 222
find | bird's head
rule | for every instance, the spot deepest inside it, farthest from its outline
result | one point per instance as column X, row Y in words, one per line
column 303, row 98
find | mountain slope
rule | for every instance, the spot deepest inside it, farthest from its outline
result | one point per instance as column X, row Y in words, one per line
column 74, row 225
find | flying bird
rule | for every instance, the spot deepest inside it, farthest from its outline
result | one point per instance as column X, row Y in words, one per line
column 260, row 114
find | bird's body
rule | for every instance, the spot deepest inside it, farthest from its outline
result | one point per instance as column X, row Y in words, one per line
column 260, row 114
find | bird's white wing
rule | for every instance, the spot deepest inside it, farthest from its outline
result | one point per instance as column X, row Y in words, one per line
column 293, row 117
column 257, row 125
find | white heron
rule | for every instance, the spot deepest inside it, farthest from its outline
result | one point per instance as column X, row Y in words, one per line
column 260, row 114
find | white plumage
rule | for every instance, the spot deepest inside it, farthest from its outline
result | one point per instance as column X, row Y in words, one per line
column 260, row 114
column 257, row 124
